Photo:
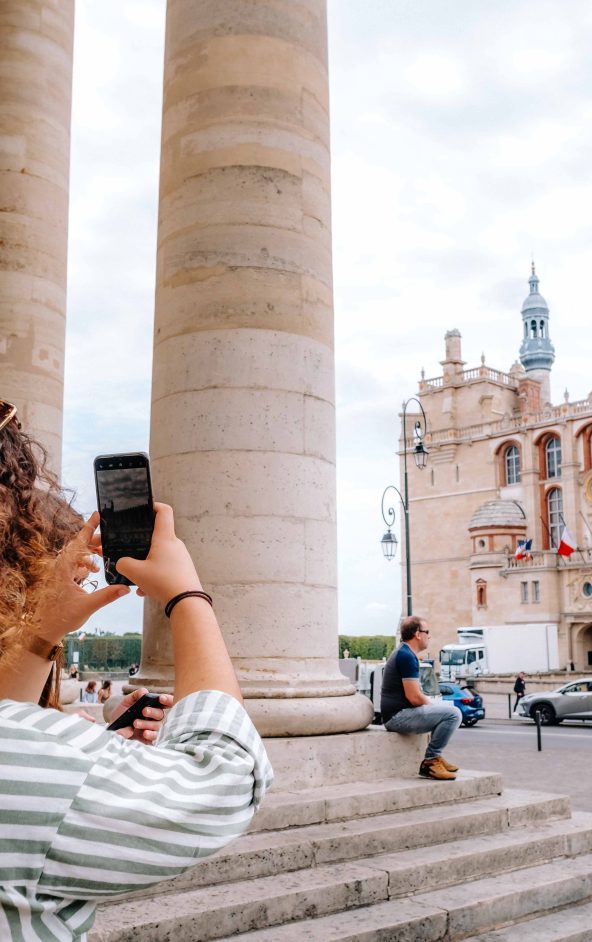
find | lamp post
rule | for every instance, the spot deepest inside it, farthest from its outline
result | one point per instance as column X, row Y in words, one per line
column 389, row 540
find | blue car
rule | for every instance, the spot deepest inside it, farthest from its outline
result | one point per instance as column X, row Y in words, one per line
column 469, row 703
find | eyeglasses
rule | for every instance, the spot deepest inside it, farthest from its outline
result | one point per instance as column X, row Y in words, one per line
column 423, row 631
column 7, row 413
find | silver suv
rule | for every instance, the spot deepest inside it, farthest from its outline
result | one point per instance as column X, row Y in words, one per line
column 573, row 701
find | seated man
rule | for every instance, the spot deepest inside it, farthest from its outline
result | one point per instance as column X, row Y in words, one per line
column 406, row 709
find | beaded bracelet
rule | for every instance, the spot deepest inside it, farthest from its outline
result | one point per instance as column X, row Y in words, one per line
column 186, row 595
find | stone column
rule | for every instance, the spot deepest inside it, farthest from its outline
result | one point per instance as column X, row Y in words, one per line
column 36, row 39
column 243, row 426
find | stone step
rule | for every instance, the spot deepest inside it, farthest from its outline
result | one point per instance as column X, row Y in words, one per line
column 265, row 853
column 212, row 911
column 339, row 802
column 370, row 754
column 494, row 901
column 458, row 912
column 442, row 865
column 573, row 924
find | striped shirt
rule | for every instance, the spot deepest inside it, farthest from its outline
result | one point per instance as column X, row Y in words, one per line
column 86, row 815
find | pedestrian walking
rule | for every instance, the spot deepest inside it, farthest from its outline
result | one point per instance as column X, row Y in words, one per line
column 519, row 689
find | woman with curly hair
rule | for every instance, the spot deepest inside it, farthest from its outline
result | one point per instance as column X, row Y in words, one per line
column 86, row 814
column 36, row 524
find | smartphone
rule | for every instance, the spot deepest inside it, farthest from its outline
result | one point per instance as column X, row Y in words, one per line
column 124, row 499
column 135, row 711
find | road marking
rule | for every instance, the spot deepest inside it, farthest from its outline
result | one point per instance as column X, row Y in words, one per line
column 544, row 732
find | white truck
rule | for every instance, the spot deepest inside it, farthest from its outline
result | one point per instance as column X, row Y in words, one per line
column 500, row 649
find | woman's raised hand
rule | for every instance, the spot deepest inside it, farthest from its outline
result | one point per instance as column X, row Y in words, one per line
column 63, row 604
column 168, row 569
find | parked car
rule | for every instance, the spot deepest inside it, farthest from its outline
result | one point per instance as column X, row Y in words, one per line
column 428, row 679
column 469, row 703
column 573, row 701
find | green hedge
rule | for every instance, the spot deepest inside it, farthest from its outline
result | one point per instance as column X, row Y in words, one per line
column 104, row 652
column 368, row 647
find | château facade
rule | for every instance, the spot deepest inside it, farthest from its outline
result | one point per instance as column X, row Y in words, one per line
column 504, row 465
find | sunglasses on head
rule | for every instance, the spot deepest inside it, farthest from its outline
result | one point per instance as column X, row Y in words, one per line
column 7, row 413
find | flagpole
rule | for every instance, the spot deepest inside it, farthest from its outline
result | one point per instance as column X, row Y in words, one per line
column 544, row 523
column 586, row 522
column 576, row 549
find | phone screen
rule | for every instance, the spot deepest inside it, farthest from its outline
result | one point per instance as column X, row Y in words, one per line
column 124, row 496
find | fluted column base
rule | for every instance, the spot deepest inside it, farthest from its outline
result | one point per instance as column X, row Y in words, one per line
column 285, row 697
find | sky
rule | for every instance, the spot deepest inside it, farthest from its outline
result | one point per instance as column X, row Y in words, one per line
column 461, row 149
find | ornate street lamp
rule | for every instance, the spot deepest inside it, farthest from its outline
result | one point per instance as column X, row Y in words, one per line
column 389, row 540
column 420, row 454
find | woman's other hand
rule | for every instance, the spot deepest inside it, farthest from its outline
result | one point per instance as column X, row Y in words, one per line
column 85, row 716
column 64, row 605
column 168, row 568
column 146, row 729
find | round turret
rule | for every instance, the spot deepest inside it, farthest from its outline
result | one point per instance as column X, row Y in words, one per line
column 498, row 513
column 537, row 353
column 495, row 527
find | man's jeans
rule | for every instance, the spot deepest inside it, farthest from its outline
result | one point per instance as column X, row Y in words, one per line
column 440, row 718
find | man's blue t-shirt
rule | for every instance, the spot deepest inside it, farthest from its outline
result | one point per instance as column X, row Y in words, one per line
column 401, row 665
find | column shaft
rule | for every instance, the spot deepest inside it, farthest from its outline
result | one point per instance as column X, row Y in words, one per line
column 36, row 39
column 243, row 426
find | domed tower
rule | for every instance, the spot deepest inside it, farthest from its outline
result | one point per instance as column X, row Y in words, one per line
column 536, row 351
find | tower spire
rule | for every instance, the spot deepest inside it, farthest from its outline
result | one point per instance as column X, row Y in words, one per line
column 537, row 353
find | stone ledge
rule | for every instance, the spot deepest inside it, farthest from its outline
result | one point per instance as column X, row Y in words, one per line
column 314, row 761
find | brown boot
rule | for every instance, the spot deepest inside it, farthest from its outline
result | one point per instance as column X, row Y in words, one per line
column 435, row 768
column 449, row 766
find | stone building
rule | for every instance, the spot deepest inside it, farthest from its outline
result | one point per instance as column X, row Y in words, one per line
column 504, row 465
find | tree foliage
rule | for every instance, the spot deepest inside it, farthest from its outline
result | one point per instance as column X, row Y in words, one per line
column 368, row 647
column 105, row 652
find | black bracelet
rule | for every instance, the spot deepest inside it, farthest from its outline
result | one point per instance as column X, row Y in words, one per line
column 186, row 595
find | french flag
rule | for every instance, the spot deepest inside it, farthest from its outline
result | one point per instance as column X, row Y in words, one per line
column 567, row 544
column 523, row 549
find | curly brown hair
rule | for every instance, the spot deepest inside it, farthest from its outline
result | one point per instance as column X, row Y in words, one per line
column 36, row 521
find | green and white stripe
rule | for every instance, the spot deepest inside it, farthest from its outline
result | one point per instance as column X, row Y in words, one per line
column 86, row 815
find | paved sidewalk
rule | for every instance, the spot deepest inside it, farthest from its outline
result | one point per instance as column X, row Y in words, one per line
column 496, row 705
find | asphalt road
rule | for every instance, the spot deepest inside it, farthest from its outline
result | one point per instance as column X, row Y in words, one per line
column 564, row 766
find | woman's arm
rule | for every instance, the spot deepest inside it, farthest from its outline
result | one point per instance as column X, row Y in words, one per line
column 201, row 659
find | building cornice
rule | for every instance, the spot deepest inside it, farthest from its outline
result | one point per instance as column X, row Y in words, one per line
column 555, row 415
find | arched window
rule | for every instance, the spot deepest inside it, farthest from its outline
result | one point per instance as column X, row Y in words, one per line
column 526, row 330
column 585, row 434
column 553, row 458
column 512, row 465
column 588, row 449
column 542, row 328
column 533, row 328
column 555, row 516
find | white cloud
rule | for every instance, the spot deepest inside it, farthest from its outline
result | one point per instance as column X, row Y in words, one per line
column 435, row 76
